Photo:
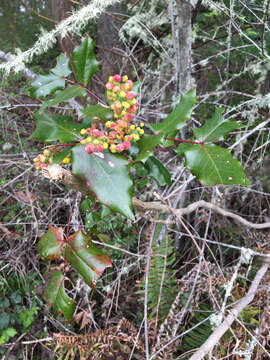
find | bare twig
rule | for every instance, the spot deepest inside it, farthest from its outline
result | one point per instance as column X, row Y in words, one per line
column 57, row 173
column 222, row 328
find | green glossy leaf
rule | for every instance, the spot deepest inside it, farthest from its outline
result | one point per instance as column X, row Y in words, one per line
column 212, row 165
column 4, row 320
column 176, row 120
column 65, row 95
column 89, row 261
column 216, row 128
column 146, row 145
column 84, row 61
column 108, row 177
column 62, row 66
column 7, row 334
column 56, row 296
column 52, row 127
column 157, row 171
column 51, row 243
column 98, row 111
column 46, row 84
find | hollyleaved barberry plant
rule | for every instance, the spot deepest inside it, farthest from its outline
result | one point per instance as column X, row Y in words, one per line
column 99, row 148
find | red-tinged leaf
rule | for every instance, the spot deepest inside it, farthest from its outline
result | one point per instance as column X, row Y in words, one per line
column 212, row 165
column 56, row 296
column 89, row 261
column 51, row 243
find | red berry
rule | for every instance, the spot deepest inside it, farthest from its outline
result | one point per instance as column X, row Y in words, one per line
column 130, row 95
column 89, row 148
column 117, row 78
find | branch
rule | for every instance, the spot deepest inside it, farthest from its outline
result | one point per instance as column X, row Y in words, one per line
column 57, row 173
column 72, row 25
column 234, row 313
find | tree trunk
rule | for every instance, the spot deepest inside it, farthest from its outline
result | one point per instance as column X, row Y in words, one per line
column 185, row 41
column 108, row 41
column 61, row 9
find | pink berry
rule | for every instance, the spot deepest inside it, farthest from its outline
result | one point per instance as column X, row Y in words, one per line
column 126, row 145
column 119, row 147
column 130, row 95
column 100, row 148
column 95, row 132
column 117, row 78
column 129, row 117
column 42, row 166
column 109, row 86
column 89, row 148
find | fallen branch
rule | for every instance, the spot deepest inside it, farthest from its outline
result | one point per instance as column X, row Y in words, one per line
column 59, row 174
column 234, row 313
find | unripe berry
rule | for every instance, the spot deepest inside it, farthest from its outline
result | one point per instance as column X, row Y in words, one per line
column 126, row 104
column 116, row 89
column 113, row 148
column 105, row 146
column 124, row 78
column 83, row 131
column 132, row 127
column 117, row 78
column 122, row 94
column 128, row 85
column 108, row 124
column 89, row 148
column 110, row 79
column 66, row 160
column 96, row 142
column 135, row 137
column 36, row 160
column 46, row 152
column 141, row 124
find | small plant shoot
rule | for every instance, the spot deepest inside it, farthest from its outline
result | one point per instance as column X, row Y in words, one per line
column 97, row 147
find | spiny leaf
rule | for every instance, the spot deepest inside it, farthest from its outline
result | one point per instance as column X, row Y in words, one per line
column 51, row 127
column 157, row 171
column 146, row 145
column 216, row 128
column 98, row 111
column 89, row 261
column 108, row 176
column 46, row 84
column 176, row 120
column 56, row 296
column 212, row 165
column 50, row 244
column 84, row 62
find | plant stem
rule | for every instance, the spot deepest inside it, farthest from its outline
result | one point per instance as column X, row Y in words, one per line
column 185, row 141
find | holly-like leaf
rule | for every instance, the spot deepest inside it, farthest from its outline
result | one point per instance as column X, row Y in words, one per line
column 176, row 120
column 108, row 176
column 89, row 261
column 84, row 61
column 50, row 245
column 56, row 296
column 146, row 145
column 157, row 171
column 212, row 165
column 62, row 68
column 65, row 95
column 216, row 128
column 52, row 127
column 46, row 84
column 98, row 111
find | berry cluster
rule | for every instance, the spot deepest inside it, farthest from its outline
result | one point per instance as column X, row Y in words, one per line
column 44, row 159
column 118, row 134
